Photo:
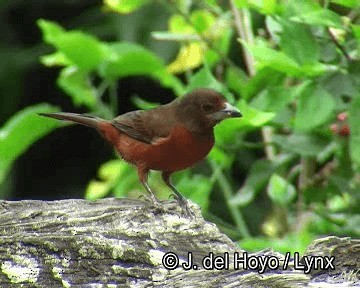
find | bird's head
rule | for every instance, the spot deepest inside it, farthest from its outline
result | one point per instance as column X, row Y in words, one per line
column 204, row 108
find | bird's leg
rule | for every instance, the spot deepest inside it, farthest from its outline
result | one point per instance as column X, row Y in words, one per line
column 143, row 173
column 180, row 198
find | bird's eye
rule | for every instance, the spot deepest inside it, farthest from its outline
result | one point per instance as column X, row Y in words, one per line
column 207, row 107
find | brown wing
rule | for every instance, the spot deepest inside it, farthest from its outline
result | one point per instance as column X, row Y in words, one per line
column 146, row 125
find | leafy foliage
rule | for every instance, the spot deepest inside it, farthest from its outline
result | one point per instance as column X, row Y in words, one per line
column 291, row 67
column 20, row 132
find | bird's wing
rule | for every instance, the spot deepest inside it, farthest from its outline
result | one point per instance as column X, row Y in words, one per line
column 147, row 126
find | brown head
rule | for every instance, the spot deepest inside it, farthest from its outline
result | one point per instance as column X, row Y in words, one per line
column 203, row 108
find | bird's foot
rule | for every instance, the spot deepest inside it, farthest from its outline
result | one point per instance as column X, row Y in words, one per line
column 160, row 208
column 183, row 202
column 154, row 201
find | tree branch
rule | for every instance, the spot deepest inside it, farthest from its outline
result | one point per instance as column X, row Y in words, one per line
column 122, row 243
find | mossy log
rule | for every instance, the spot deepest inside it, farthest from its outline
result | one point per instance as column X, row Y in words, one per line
column 125, row 243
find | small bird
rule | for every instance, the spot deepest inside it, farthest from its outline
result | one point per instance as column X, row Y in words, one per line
column 168, row 138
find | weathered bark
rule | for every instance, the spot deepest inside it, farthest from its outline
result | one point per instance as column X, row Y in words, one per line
column 122, row 243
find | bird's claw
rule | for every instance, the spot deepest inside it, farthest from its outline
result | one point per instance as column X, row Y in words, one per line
column 183, row 204
column 154, row 201
column 182, row 201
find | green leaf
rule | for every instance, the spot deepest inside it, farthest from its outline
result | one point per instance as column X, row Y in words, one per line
column 50, row 30
column 113, row 175
column 97, row 190
column 281, row 191
column 277, row 60
column 83, row 50
column 178, row 24
column 303, row 144
column 77, row 85
column 264, row 7
column 356, row 30
column 55, row 59
column 202, row 20
column 322, row 17
column 21, row 131
column 277, row 98
column 294, row 242
column 226, row 132
column 241, row 3
column 111, row 170
column 339, row 85
column 111, row 60
column 264, row 78
column 220, row 157
column 298, row 42
column 322, row 225
column 204, row 78
column 236, row 80
column 257, row 179
column 196, row 187
column 354, row 120
column 274, row 28
column 124, row 6
column 269, row 7
column 347, row 3
column 293, row 8
column 318, row 69
column 214, row 5
column 315, row 108
column 252, row 119
column 128, row 183
column 221, row 44
column 339, row 203
column 143, row 104
column 314, row 195
column 129, row 59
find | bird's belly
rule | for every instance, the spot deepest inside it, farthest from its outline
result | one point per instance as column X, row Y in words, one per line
column 177, row 157
column 177, row 152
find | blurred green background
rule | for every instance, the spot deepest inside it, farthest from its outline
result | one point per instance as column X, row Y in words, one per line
column 284, row 174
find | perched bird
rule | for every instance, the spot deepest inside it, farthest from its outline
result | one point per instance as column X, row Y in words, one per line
column 167, row 138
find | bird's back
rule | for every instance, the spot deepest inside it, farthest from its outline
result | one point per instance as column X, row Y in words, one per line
column 148, row 126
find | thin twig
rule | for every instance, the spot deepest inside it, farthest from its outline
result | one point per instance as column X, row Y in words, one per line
column 307, row 170
column 338, row 45
column 353, row 14
column 243, row 27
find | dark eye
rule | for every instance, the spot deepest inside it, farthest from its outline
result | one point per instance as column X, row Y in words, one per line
column 207, row 107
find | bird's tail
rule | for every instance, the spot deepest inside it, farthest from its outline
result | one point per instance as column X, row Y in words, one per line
column 82, row 119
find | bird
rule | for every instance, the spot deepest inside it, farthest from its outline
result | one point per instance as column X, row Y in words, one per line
column 167, row 138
